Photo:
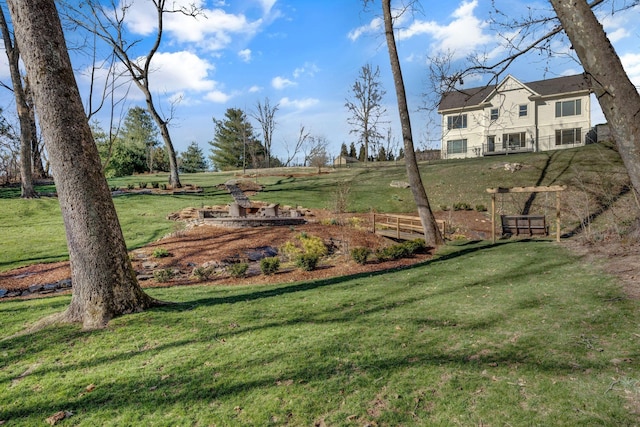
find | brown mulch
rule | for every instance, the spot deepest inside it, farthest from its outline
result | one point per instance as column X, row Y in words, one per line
column 202, row 244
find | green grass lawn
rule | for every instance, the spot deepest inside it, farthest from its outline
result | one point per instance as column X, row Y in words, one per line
column 33, row 232
column 520, row 333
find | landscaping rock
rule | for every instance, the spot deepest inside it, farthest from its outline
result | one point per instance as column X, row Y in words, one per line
column 66, row 283
column 399, row 184
column 35, row 288
column 3, row 292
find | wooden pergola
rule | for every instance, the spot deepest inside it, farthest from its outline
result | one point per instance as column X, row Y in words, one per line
column 548, row 189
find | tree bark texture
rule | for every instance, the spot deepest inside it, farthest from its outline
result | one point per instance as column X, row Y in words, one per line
column 104, row 283
column 13, row 55
column 617, row 96
column 432, row 234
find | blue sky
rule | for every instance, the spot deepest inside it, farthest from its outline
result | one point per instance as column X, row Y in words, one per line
column 305, row 55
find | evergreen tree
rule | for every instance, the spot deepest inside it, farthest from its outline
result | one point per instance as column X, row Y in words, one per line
column 234, row 145
column 193, row 159
column 362, row 153
column 382, row 155
column 352, row 150
column 343, row 150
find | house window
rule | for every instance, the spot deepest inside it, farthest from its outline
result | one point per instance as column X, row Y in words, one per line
column 568, row 108
column 568, row 136
column 494, row 114
column 457, row 146
column 457, row 122
column 511, row 141
column 522, row 111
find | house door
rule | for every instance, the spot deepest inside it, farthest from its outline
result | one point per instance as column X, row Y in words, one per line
column 491, row 143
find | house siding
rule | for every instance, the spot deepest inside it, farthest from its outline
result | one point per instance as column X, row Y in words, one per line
column 513, row 131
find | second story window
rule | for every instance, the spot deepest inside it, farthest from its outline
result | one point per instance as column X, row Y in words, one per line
column 457, row 122
column 494, row 114
column 523, row 110
column 568, row 108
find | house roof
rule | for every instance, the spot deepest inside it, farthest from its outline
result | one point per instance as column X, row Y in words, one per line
column 461, row 98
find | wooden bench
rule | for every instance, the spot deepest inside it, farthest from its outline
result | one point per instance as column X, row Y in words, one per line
column 524, row 224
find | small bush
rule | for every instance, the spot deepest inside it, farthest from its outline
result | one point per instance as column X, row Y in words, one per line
column 202, row 273
column 313, row 245
column 481, row 208
column 160, row 253
column 415, row 246
column 444, row 208
column 142, row 184
column 155, row 184
column 163, row 275
column 238, row 270
column 355, row 222
column 114, row 188
column 163, row 186
column 360, row 255
column 289, row 250
column 329, row 221
column 307, row 262
column 461, row 206
column 270, row 266
column 130, row 186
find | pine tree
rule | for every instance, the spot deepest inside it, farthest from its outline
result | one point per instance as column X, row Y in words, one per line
column 343, row 150
column 193, row 159
column 362, row 153
column 352, row 150
column 234, row 145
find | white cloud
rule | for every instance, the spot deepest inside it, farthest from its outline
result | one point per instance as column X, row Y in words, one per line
column 217, row 96
column 255, row 89
column 374, row 27
column 178, row 71
column 281, row 83
column 463, row 35
column 212, row 29
column 631, row 63
column 245, row 55
column 308, row 68
column 299, row 104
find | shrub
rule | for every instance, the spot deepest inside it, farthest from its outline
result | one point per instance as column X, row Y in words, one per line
column 238, row 270
column 307, row 262
column 142, row 184
column 163, row 275
column 360, row 255
column 289, row 250
column 481, row 208
column 114, row 188
column 461, row 206
column 202, row 273
column 130, row 186
column 415, row 246
column 155, row 184
column 270, row 266
column 444, row 208
column 163, row 186
column 313, row 245
column 160, row 253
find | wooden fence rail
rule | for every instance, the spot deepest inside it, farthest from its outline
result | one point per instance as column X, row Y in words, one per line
column 401, row 227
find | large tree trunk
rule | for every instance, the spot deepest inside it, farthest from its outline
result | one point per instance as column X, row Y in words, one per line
column 432, row 234
column 104, row 283
column 13, row 55
column 617, row 96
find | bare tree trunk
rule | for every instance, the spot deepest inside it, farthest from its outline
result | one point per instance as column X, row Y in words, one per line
column 104, row 283
column 13, row 55
column 617, row 96
column 432, row 234
column 174, row 177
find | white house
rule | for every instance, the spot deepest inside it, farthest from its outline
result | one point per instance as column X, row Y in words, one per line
column 515, row 117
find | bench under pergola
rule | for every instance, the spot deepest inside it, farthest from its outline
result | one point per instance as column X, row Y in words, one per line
column 525, row 223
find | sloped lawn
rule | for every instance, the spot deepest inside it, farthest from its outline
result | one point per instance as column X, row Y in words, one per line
column 520, row 333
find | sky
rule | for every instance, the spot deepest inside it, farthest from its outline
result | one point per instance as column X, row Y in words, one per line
column 305, row 56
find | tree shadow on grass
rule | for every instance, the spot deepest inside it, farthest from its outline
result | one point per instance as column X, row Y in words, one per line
column 469, row 248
